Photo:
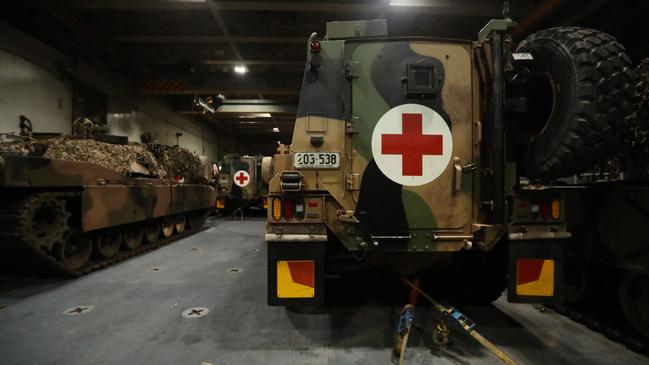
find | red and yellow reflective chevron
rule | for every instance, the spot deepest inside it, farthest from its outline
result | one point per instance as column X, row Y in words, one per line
column 535, row 277
column 295, row 279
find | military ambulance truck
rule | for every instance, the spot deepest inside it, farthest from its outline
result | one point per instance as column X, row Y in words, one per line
column 408, row 153
column 239, row 183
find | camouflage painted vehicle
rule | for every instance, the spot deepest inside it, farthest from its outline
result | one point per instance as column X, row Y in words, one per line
column 76, row 217
column 239, row 182
column 402, row 157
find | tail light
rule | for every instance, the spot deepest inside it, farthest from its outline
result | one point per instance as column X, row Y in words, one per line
column 220, row 203
column 289, row 209
column 547, row 209
column 315, row 47
column 544, row 210
column 299, row 209
column 534, row 209
column 277, row 209
column 556, row 209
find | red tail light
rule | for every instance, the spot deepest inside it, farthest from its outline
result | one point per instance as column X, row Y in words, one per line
column 289, row 209
column 544, row 210
column 315, row 47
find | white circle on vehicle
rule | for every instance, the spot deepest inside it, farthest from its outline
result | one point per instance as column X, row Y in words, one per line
column 412, row 145
column 241, row 178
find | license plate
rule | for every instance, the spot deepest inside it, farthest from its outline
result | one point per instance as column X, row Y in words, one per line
column 316, row 160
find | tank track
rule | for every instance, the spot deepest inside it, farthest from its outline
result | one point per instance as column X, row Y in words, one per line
column 613, row 327
column 98, row 264
column 51, row 264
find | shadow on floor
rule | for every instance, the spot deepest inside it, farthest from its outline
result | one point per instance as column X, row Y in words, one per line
column 362, row 311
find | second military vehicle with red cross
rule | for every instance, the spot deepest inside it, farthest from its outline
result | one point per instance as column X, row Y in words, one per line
column 239, row 183
column 408, row 153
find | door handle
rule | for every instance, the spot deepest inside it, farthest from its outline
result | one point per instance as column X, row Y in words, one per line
column 457, row 175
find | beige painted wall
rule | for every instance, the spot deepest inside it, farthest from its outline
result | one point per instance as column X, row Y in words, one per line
column 31, row 85
column 34, row 91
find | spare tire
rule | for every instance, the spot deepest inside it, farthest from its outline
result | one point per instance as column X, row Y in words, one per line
column 578, row 100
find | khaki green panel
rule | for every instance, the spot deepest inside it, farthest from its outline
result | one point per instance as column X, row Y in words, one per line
column 418, row 212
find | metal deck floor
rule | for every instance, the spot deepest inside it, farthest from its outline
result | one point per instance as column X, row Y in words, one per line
column 136, row 318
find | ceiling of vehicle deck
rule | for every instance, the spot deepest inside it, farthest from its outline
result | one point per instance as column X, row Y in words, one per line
column 182, row 49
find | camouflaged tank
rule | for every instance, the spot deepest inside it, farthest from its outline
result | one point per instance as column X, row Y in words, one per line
column 402, row 158
column 78, row 216
column 240, row 183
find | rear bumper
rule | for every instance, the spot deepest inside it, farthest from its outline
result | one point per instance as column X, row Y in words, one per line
column 278, row 237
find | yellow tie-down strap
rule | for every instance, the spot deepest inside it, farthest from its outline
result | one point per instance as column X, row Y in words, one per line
column 296, row 279
column 535, row 277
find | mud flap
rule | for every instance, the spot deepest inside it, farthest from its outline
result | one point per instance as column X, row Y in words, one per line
column 536, row 272
column 296, row 273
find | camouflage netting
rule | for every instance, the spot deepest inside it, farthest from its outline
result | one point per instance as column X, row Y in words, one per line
column 179, row 162
column 169, row 163
column 20, row 148
column 112, row 156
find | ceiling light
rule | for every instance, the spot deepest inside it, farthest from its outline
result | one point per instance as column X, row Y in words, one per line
column 275, row 129
column 240, row 69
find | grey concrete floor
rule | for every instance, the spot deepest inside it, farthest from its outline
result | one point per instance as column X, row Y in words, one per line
column 136, row 317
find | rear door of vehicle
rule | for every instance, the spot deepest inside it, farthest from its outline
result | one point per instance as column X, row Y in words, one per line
column 423, row 75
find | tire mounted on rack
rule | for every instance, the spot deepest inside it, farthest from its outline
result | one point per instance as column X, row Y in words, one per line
column 578, row 98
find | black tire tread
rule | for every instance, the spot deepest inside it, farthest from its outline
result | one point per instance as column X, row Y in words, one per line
column 602, row 106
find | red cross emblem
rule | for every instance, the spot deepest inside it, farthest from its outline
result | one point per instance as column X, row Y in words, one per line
column 412, row 144
column 241, row 178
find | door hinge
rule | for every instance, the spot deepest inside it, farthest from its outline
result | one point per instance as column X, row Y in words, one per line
column 477, row 132
column 351, row 69
column 353, row 181
column 349, row 125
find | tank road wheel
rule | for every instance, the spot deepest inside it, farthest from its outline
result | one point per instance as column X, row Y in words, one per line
column 167, row 224
column 133, row 236
column 152, row 231
column 108, row 242
column 179, row 223
column 74, row 252
column 578, row 99
column 45, row 221
column 634, row 299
